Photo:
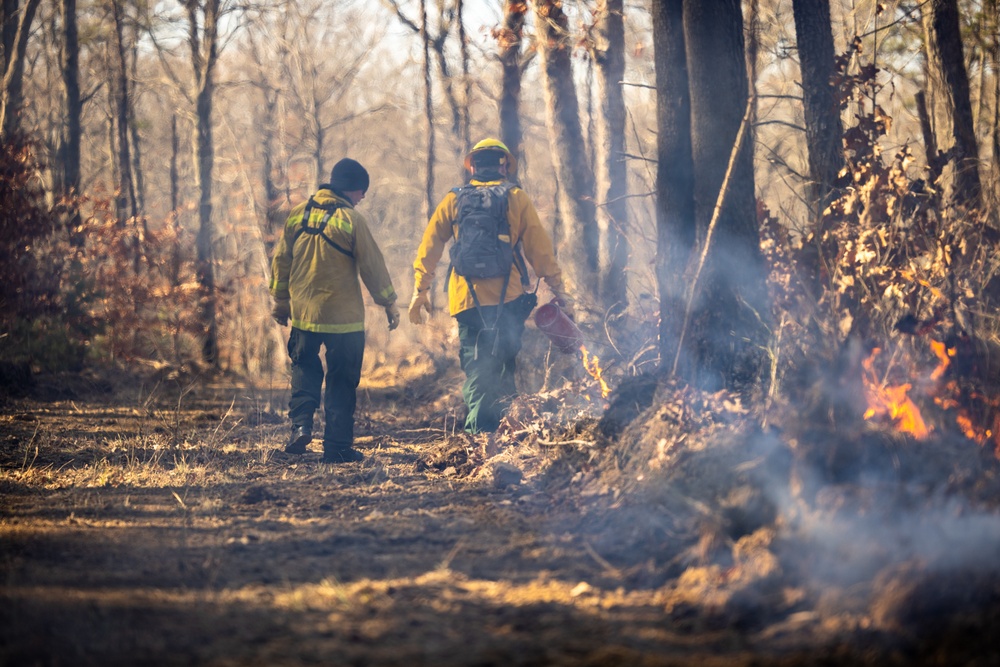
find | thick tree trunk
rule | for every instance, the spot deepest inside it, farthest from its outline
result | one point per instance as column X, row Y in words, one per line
column 824, row 130
column 675, row 221
column 125, row 203
column 510, row 89
column 728, row 298
column 70, row 153
column 16, row 28
column 947, row 65
column 612, row 173
column 204, row 54
column 578, row 250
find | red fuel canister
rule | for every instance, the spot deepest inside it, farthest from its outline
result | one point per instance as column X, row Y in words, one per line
column 553, row 322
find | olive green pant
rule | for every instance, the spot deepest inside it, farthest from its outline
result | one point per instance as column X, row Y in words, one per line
column 488, row 354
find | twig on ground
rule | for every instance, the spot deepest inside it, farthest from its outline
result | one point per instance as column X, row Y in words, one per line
column 554, row 443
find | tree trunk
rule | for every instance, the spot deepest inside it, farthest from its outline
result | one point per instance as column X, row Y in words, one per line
column 126, row 205
column 428, row 112
column 16, row 28
column 580, row 240
column 824, row 130
column 204, row 54
column 947, row 65
column 138, row 182
column 612, row 173
column 675, row 221
column 510, row 90
column 995, row 53
column 70, row 153
column 727, row 294
column 271, row 193
column 463, row 43
column 175, row 145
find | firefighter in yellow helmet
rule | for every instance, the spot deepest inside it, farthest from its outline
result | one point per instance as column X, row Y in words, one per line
column 494, row 228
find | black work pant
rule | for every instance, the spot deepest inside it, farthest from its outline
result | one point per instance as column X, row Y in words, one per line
column 488, row 353
column 344, row 355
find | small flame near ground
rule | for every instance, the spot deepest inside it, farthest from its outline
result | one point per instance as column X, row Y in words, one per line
column 982, row 427
column 593, row 365
column 976, row 415
column 891, row 401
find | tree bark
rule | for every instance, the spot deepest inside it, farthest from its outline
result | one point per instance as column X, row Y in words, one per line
column 580, row 237
column 138, row 181
column 203, row 42
column 175, row 146
column 995, row 55
column 947, row 64
column 70, row 150
column 675, row 221
column 463, row 44
column 16, row 28
column 429, row 201
column 612, row 173
column 824, row 130
column 125, row 202
column 728, row 296
column 509, row 38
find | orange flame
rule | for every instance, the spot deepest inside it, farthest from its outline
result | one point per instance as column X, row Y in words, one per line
column 944, row 355
column 593, row 366
column 892, row 401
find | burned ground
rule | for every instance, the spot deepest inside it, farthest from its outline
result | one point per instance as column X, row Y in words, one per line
column 159, row 523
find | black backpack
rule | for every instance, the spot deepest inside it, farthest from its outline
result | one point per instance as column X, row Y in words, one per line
column 482, row 246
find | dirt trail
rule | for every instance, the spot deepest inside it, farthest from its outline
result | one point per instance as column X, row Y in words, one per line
column 142, row 531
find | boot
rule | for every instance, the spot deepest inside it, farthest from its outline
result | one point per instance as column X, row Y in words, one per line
column 301, row 437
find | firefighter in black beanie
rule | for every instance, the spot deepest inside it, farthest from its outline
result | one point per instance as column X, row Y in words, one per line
column 324, row 249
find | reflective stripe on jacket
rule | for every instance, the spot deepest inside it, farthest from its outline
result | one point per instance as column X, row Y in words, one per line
column 319, row 272
column 524, row 227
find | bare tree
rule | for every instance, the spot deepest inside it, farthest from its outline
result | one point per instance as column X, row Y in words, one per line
column 267, row 85
column 320, row 89
column 463, row 44
column 824, row 131
column 16, row 29
column 126, row 201
column 203, row 35
column 437, row 42
column 727, row 295
column 70, row 145
column 675, row 220
column 946, row 65
column 428, row 111
column 580, row 238
column 509, row 38
column 611, row 172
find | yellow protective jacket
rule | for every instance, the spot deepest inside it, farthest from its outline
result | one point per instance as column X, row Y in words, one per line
column 319, row 272
column 524, row 227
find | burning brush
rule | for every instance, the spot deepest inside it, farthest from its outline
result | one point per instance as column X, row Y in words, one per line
column 567, row 337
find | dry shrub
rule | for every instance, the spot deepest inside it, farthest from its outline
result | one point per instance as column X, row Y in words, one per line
column 891, row 264
column 79, row 283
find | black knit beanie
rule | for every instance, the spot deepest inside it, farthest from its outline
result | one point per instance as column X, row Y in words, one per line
column 348, row 175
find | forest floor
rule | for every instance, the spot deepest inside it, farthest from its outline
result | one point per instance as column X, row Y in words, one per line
column 159, row 522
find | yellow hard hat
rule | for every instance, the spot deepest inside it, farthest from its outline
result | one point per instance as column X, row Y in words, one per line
column 491, row 144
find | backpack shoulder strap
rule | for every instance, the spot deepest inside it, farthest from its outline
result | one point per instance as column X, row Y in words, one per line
column 306, row 228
